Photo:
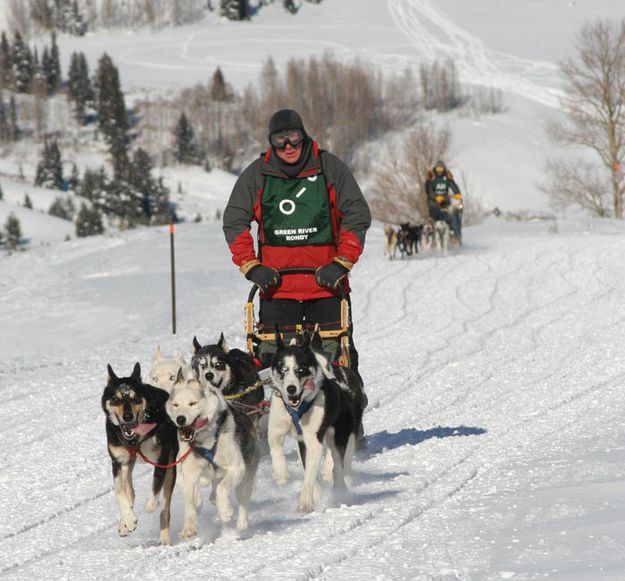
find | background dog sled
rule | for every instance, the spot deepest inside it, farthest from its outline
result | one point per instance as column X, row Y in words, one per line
column 256, row 334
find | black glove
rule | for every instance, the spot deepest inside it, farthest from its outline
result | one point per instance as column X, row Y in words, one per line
column 331, row 274
column 264, row 277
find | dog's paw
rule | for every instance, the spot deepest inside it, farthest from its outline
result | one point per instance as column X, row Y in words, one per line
column 127, row 524
column 151, row 504
column 281, row 478
column 306, row 506
column 188, row 532
column 225, row 512
column 241, row 522
column 165, row 539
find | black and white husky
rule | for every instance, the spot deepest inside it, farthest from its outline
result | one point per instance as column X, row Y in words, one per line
column 137, row 425
column 220, row 447
column 318, row 408
column 231, row 371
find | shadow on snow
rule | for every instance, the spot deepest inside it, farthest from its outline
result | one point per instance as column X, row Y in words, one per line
column 381, row 441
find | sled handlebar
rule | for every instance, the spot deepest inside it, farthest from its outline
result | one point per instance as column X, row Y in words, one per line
column 295, row 270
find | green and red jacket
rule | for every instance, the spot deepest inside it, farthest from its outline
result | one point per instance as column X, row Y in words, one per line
column 304, row 221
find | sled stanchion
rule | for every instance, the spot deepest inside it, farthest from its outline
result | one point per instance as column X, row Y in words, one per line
column 173, row 278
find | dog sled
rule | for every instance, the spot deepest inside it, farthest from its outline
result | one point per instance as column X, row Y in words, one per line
column 256, row 334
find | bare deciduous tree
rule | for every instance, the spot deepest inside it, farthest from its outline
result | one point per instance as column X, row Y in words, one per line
column 399, row 181
column 594, row 85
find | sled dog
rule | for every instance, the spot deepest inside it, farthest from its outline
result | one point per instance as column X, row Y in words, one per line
column 428, row 235
column 137, row 425
column 390, row 241
column 230, row 371
column 311, row 403
column 165, row 369
column 441, row 235
column 221, row 449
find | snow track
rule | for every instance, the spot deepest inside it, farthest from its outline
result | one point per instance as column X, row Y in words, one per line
column 475, row 364
column 436, row 36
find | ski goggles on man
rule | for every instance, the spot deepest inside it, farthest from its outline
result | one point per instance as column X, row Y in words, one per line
column 293, row 137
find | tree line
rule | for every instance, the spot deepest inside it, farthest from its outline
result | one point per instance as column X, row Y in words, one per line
column 77, row 17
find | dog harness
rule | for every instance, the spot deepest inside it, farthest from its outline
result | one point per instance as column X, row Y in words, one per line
column 296, row 414
column 209, row 453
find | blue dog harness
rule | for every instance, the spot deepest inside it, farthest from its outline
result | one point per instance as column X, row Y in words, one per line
column 209, row 453
column 296, row 414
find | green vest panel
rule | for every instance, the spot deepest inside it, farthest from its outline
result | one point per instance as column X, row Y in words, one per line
column 440, row 185
column 296, row 212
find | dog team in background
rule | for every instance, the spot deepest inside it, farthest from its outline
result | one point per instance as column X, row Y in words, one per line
column 199, row 424
column 444, row 222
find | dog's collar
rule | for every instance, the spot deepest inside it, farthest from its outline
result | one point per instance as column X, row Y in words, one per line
column 209, row 453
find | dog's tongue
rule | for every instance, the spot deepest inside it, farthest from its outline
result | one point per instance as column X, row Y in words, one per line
column 143, row 429
column 199, row 423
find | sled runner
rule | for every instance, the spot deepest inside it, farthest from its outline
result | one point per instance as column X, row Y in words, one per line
column 256, row 334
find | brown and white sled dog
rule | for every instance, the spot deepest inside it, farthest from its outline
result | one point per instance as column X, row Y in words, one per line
column 390, row 241
column 164, row 370
column 137, row 425
column 224, row 451
column 311, row 405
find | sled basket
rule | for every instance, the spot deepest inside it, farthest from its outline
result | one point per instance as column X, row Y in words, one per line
column 256, row 335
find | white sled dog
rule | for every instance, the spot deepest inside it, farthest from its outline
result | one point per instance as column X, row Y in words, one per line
column 311, row 405
column 441, row 236
column 390, row 241
column 164, row 370
column 428, row 235
column 221, row 448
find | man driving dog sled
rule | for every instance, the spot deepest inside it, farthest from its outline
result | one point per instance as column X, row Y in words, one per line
column 444, row 198
column 310, row 213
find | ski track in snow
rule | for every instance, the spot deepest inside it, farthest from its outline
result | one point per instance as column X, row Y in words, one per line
column 464, row 376
column 435, row 36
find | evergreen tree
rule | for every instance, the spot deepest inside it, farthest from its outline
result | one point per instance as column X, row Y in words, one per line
column 184, row 147
column 93, row 187
column 22, row 61
column 54, row 78
column 14, row 130
column 13, row 231
column 289, row 6
column 28, row 203
column 74, row 180
column 88, row 222
column 62, row 208
column 219, row 89
column 5, row 130
column 112, row 118
column 70, row 18
column 150, row 198
column 79, row 85
column 234, row 9
column 50, row 167
column 6, row 63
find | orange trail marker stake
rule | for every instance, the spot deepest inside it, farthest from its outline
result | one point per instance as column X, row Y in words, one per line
column 173, row 279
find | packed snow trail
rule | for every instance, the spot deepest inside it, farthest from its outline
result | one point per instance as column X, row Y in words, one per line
column 484, row 370
column 436, row 36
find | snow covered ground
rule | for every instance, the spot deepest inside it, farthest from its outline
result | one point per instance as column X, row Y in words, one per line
column 495, row 377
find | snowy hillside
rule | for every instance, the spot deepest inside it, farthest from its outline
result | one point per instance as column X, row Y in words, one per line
column 494, row 426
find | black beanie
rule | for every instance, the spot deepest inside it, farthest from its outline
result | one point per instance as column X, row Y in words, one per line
column 285, row 119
